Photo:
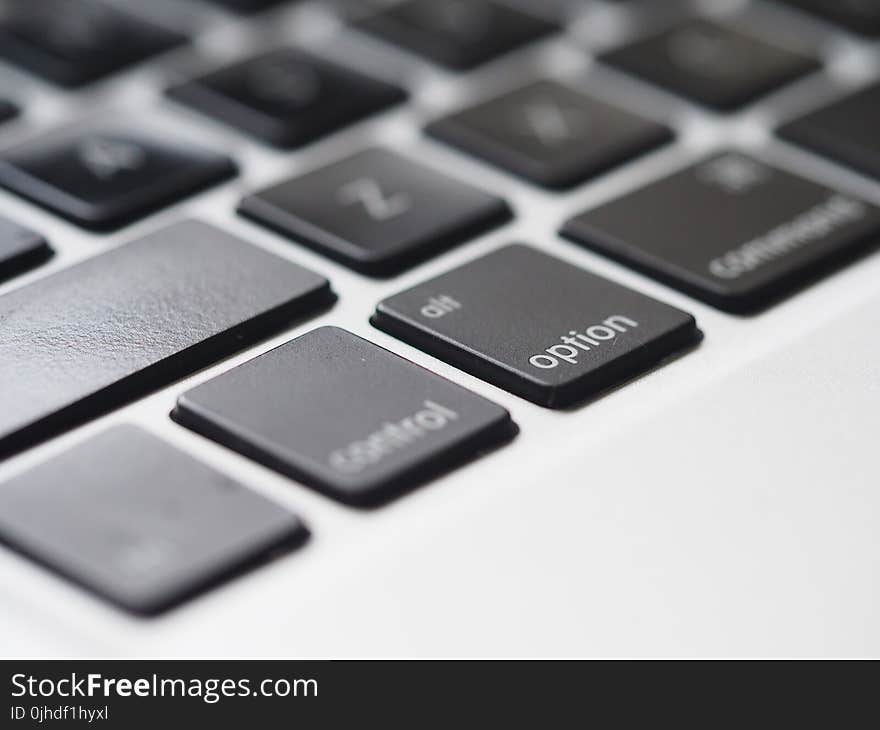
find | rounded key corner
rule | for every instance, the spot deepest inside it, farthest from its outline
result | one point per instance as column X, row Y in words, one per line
column 328, row 329
column 505, row 429
column 294, row 537
column 378, row 492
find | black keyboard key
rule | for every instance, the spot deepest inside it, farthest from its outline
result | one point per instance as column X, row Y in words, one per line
column 858, row 16
column 344, row 416
column 537, row 326
column 747, row 235
column 711, row 64
column 247, row 6
column 20, row 249
column 376, row 211
column 8, row 111
column 550, row 134
column 458, row 34
column 117, row 326
column 75, row 42
column 104, row 179
column 138, row 522
column 286, row 97
column 845, row 131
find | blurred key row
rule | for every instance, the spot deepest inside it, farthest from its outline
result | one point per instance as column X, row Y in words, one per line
column 379, row 212
column 74, row 42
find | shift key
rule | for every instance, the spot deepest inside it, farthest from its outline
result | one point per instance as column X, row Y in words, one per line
column 121, row 324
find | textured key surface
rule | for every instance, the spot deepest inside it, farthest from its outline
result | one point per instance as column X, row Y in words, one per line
column 376, row 211
column 537, row 326
column 20, row 249
column 345, row 416
column 139, row 522
column 752, row 233
column 286, row 97
column 105, row 179
column 550, row 134
column 845, row 131
column 459, row 34
column 711, row 64
column 118, row 325
column 74, row 42
column 859, row 16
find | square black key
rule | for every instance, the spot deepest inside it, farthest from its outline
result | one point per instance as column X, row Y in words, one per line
column 287, row 98
column 376, row 211
column 847, row 131
column 731, row 231
column 20, row 249
column 8, row 110
column 344, row 416
column 711, row 64
column 550, row 134
column 458, row 34
column 75, row 42
column 138, row 522
column 103, row 179
column 858, row 16
column 537, row 326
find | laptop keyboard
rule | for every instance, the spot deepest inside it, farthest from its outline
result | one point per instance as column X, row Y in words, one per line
column 140, row 522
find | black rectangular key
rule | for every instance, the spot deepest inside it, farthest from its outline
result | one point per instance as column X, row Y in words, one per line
column 749, row 233
column 345, row 416
column 75, row 42
column 550, row 134
column 8, row 110
column 376, row 211
column 20, row 249
column 287, row 98
column 712, row 64
column 845, row 131
column 458, row 34
column 537, row 326
column 248, row 6
column 138, row 522
column 102, row 179
column 114, row 327
column 858, row 16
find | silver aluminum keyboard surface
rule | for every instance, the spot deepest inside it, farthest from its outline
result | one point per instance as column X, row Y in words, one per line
column 727, row 503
